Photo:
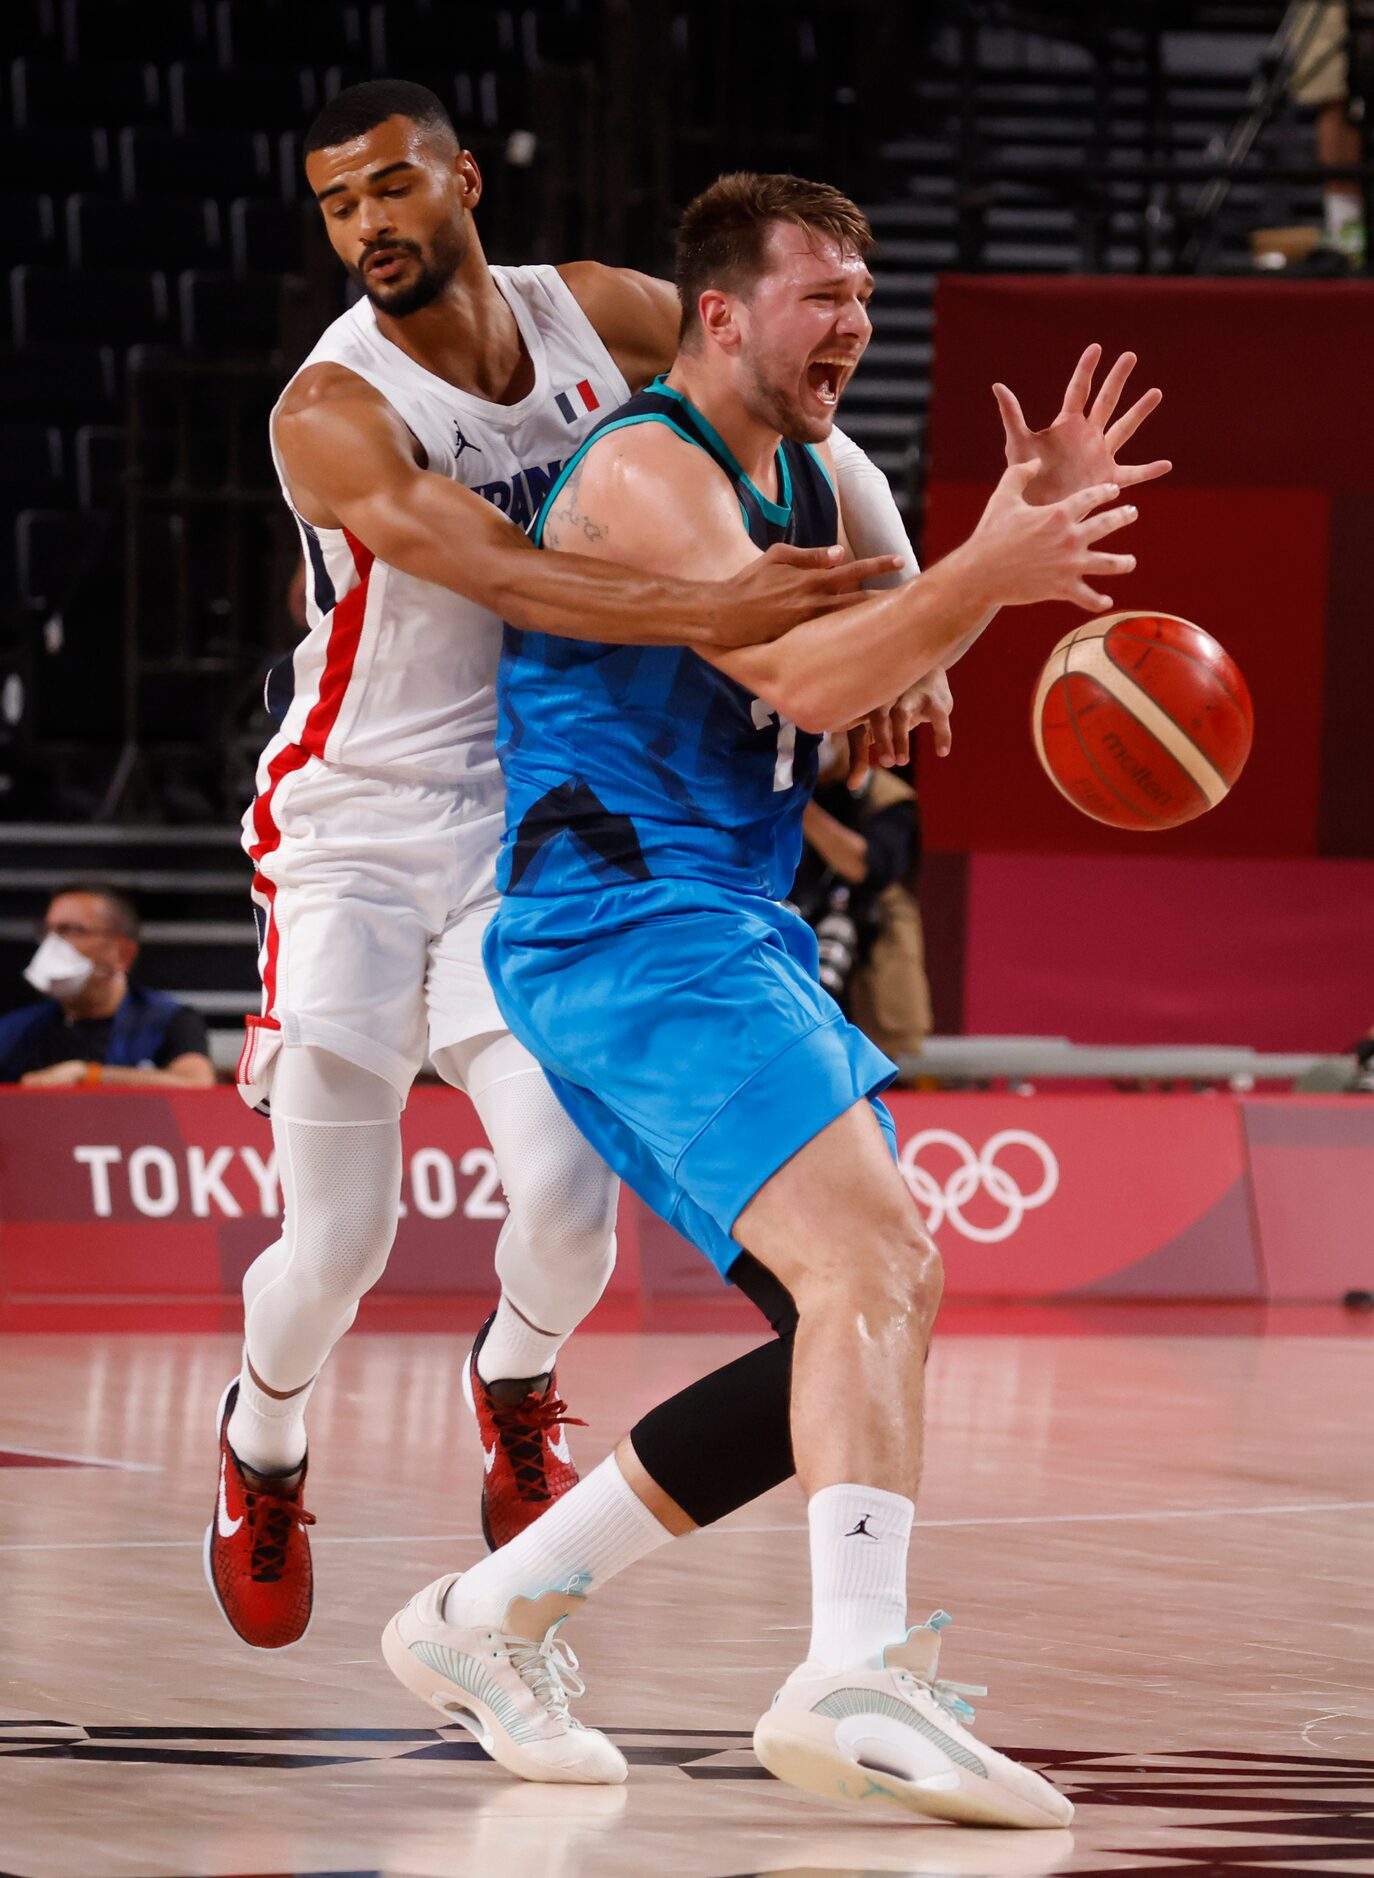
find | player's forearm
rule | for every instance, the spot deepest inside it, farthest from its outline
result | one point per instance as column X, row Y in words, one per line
column 576, row 597
column 837, row 669
column 971, row 639
column 197, row 1075
column 432, row 537
column 842, row 849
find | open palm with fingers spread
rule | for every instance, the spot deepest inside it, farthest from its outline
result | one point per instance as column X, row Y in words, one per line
column 1081, row 445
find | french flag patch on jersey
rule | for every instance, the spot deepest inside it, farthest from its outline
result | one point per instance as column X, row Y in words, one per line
column 564, row 401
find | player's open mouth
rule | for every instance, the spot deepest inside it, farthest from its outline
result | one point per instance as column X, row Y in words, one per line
column 827, row 377
column 384, row 265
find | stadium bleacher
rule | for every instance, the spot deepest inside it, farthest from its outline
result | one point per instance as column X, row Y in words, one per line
column 165, row 271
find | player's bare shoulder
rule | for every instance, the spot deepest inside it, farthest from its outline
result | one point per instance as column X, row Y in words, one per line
column 643, row 495
column 624, row 487
column 636, row 316
column 333, row 430
column 329, row 397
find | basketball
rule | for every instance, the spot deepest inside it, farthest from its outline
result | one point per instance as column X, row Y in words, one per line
column 1142, row 720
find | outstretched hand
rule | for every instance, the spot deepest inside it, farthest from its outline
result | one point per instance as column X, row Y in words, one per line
column 1081, row 445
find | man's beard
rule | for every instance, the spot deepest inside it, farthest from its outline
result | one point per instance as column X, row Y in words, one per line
column 435, row 272
column 782, row 411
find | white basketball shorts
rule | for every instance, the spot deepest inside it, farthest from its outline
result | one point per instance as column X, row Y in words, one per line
column 372, row 894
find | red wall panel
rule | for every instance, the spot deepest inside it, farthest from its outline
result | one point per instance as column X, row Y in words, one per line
column 1268, row 416
column 1312, row 1175
column 1068, row 1196
column 1206, row 554
column 1273, row 954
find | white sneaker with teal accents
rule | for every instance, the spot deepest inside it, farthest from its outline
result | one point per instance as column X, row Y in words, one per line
column 509, row 1686
column 898, row 1734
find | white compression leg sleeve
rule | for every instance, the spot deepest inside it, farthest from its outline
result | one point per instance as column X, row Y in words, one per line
column 557, row 1248
column 337, row 1134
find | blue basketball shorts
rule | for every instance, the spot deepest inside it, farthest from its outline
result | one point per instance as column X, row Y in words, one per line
column 684, row 1029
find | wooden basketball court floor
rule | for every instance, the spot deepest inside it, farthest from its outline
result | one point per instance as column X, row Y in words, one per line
column 1158, row 1551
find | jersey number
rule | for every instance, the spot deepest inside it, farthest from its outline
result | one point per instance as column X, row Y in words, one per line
column 787, row 743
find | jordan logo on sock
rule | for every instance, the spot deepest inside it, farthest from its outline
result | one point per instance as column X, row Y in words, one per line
column 861, row 1530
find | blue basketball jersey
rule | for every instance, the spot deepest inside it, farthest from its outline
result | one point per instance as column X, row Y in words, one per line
column 632, row 763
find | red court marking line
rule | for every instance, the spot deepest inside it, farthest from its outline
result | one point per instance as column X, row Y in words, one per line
column 8, row 1458
column 44, row 1457
column 449, row 1313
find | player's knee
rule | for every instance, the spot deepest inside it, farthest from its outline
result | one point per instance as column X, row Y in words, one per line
column 566, row 1213
column 891, row 1275
column 344, row 1256
column 923, row 1273
column 901, row 1283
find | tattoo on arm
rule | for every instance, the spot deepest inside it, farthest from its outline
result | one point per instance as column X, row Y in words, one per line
column 567, row 520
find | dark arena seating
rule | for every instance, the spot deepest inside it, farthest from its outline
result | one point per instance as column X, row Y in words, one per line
column 153, row 201
column 167, row 270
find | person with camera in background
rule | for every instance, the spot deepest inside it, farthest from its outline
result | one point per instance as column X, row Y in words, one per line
column 855, row 888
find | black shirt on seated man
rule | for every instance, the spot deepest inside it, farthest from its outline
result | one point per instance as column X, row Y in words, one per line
column 92, row 1027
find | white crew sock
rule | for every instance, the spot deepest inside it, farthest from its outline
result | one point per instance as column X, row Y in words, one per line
column 592, row 1533
column 859, row 1540
column 513, row 1349
column 265, row 1432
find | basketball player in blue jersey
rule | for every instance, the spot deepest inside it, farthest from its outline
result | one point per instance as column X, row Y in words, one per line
column 641, row 953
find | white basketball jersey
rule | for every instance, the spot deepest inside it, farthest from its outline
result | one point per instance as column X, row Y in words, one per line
column 395, row 673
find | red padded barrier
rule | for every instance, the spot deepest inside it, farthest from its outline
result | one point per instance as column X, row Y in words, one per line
column 163, row 1200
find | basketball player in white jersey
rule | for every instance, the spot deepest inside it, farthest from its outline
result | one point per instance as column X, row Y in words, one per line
column 427, row 421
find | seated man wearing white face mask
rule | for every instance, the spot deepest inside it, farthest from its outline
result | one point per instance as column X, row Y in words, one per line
column 91, row 1026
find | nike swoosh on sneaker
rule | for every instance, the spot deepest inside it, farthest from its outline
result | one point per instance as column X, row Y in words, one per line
column 227, row 1527
column 488, row 1457
column 558, row 1445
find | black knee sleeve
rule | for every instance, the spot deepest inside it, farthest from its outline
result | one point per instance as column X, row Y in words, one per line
column 721, row 1442
column 768, row 1293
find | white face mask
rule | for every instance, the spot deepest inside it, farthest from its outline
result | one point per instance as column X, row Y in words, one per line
column 57, row 969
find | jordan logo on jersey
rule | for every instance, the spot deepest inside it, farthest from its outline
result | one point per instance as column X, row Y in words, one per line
column 460, row 442
column 584, row 392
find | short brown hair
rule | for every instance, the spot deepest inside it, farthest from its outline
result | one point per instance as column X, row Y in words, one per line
column 721, row 237
column 119, row 907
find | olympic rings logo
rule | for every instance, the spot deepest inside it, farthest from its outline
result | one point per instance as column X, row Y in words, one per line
column 977, row 1173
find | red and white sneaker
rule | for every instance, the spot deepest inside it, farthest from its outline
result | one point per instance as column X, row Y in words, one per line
column 523, row 1427
column 257, row 1554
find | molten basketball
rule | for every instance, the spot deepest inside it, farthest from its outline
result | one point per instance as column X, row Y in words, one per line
column 1141, row 720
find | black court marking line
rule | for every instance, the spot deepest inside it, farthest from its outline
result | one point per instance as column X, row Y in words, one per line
column 1294, row 1829
column 257, row 1734
column 199, row 1746
column 1293, row 1814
